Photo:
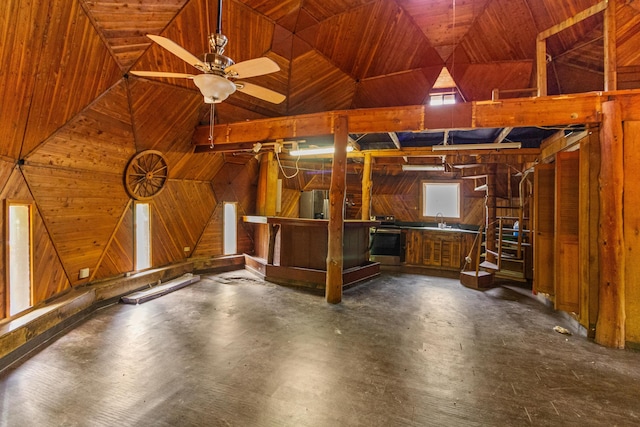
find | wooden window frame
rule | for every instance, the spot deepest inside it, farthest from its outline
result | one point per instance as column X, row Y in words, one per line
column 7, row 229
column 460, row 199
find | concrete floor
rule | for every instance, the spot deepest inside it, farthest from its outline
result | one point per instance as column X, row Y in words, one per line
column 401, row 350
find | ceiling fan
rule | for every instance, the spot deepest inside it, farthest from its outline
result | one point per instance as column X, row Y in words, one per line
column 219, row 72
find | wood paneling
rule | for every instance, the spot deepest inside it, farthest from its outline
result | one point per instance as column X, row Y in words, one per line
column 100, row 138
column 544, row 228
column 210, row 243
column 124, row 25
column 274, row 10
column 73, row 68
column 119, row 255
column 80, row 210
column 409, row 88
column 567, row 215
column 444, row 24
column 323, row 9
column 317, row 85
column 49, row 277
column 479, row 80
column 631, row 225
column 20, row 22
column 628, row 36
column 179, row 215
column 373, row 51
column 493, row 36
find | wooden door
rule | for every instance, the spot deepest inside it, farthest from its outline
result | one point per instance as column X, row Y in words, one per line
column 567, row 215
column 543, row 228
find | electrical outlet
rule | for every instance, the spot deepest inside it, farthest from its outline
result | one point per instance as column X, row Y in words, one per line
column 187, row 248
column 83, row 273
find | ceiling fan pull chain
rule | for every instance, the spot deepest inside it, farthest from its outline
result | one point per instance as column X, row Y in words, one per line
column 211, row 116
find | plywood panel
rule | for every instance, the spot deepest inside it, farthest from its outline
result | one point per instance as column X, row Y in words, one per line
column 210, row 243
column 80, row 209
column 567, row 260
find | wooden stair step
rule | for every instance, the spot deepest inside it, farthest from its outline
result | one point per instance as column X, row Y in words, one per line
column 489, row 266
column 482, row 280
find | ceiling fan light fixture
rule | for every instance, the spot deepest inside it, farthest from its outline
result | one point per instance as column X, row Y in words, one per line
column 214, row 88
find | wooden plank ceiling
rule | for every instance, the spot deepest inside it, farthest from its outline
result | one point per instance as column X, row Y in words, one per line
column 60, row 57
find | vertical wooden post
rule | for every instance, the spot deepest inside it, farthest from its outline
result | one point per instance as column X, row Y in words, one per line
column 541, row 66
column 366, row 188
column 333, row 292
column 272, row 185
column 491, row 211
column 610, row 52
column 261, row 191
column 610, row 328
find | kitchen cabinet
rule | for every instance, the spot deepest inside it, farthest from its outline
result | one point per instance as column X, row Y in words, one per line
column 442, row 249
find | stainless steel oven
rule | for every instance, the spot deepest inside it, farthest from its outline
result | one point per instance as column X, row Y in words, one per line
column 386, row 245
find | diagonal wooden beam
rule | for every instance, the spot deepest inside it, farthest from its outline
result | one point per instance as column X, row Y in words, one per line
column 503, row 134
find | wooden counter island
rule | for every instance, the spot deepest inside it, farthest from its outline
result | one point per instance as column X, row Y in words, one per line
column 293, row 251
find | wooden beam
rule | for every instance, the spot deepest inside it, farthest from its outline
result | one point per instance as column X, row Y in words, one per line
column 559, row 142
column 516, row 112
column 333, row 290
column 503, row 134
column 578, row 17
column 610, row 328
column 367, row 185
column 610, row 50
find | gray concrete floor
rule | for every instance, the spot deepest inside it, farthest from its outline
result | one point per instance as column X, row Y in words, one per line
column 401, row 350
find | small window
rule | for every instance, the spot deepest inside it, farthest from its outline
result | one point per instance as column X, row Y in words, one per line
column 442, row 99
column 441, row 199
column 142, row 236
column 230, row 224
column 19, row 257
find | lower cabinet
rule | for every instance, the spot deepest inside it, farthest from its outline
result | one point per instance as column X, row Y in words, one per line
column 439, row 249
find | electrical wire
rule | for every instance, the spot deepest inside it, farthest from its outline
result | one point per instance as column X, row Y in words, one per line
column 282, row 169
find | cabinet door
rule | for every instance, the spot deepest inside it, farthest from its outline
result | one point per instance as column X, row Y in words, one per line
column 451, row 253
column 431, row 251
column 413, row 244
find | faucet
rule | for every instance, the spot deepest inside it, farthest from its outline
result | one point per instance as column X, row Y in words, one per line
column 440, row 219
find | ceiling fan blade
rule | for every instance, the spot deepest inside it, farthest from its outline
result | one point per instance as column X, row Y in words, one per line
column 252, row 68
column 161, row 74
column 178, row 51
column 260, row 92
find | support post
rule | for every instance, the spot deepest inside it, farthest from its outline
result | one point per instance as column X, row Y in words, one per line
column 610, row 327
column 366, row 188
column 333, row 292
column 267, row 186
column 491, row 212
column 541, row 66
column 610, row 52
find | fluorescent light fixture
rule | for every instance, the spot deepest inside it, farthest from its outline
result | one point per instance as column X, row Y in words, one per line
column 488, row 146
column 316, row 151
column 417, row 168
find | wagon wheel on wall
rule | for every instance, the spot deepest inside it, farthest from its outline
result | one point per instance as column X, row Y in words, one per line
column 146, row 175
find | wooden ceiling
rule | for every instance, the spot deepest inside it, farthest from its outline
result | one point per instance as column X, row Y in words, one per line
column 65, row 63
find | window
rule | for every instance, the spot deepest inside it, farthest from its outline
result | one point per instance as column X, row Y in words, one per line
column 442, row 98
column 230, row 224
column 19, row 257
column 441, row 199
column 142, row 222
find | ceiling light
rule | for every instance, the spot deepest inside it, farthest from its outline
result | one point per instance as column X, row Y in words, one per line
column 214, row 88
column 488, row 146
column 416, row 168
column 316, row 151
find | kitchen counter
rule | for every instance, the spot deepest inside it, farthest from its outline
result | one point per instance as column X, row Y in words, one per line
column 293, row 251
